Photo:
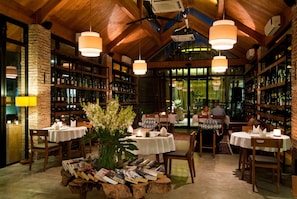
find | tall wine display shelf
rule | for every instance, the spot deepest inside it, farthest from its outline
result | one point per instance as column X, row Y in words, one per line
column 124, row 84
column 274, row 78
column 251, row 85
column 75, row 80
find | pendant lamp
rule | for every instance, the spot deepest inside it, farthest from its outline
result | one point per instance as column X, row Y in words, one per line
column 219, row 64
column 11, row 72
column 139, row 66
column 90, row 43
column 223, row 34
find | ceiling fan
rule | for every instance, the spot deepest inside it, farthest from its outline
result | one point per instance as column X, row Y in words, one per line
column 151, row 15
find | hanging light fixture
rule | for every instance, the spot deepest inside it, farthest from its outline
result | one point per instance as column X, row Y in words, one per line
column 219, row 64
column 223, row 34
column 90, row 43
column 11, row 72
column 139, row 66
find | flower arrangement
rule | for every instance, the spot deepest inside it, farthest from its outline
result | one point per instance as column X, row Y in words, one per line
column 110, row 127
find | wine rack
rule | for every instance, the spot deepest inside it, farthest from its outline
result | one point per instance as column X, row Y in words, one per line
column 124, row 84
column 74, row 81
column 251, row 86
column 274, row 107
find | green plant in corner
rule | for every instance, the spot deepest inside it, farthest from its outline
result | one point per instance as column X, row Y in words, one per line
column 110, row 126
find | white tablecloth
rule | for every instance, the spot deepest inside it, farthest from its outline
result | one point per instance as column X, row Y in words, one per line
column 243, row 140
column 154, row 144
column 197, row 120
column 171, row 117
column 66, row 134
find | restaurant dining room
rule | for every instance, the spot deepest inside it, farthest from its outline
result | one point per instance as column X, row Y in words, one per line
column 148, row 99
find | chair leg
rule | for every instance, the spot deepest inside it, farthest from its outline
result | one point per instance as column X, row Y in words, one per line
column 170, row 161
column 191, row 169
column 31, row 160
column 193, row 166
column 45, row 161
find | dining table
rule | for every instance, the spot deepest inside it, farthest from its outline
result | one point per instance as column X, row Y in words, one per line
column 66, row 134
column 243, row 140
column 154, row 144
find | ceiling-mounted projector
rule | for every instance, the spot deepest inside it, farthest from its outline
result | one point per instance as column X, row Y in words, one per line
column 183, row 35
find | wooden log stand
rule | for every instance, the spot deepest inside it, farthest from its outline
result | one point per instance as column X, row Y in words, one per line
column 118, row 191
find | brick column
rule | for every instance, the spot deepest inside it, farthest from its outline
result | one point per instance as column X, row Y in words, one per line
column 39, row 75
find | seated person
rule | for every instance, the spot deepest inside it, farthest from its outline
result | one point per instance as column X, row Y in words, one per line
column 218, row 110
column 204, row 114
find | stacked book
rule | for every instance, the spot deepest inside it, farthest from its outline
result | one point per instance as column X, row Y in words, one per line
column 137, row 171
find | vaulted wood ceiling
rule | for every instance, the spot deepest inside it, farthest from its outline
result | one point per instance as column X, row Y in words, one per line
column 110, row 18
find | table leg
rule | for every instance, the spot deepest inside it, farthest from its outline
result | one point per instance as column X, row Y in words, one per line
column 158, row 158
column 214, row 144
column 243, row 162
column 200, row 144
column 69, row 143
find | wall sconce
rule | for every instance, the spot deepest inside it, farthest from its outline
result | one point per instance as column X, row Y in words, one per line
column 26, row 101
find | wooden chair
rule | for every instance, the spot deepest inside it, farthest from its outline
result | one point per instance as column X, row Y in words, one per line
column 210, row 122
column 221, row 120
column 246, row 128
column 150, row 121
column 90, row 127
column 241, row 151
column 40, row 144
column 163, row 120
column 265, row 161
column 182, row 155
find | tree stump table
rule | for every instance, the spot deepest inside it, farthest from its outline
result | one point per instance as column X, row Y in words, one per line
column 119, row 191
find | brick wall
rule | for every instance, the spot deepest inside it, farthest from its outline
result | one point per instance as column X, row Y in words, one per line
column 39, row 75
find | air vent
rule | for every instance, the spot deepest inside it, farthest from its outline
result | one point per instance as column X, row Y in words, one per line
column 272, row 25
column 182, row 35
column 163, row 6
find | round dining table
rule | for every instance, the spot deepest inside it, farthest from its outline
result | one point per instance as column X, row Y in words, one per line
column 243, row 140
column 155, row 144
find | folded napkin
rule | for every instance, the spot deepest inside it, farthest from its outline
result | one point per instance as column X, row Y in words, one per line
column 256, row 129
column 163, row 131
column 130, row 129
column 262, row 133
column 73, row 123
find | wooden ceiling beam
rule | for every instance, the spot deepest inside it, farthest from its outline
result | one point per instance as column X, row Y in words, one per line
column 62, row 30
column 134, row 12
column 16, row 11
column 120, row 38
column 221, row 9
column 43, row 12
column 194, row 63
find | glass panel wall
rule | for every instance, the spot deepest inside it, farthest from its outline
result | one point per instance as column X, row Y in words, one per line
column 13, row 66
column 192, row 88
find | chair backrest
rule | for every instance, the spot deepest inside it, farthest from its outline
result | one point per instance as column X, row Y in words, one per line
column 246, row 128
column 266, row 142
column 150, row 115
column 192, row 144
column 219, row 118
column 150, row 123
column 84, row 123
column 39, row 135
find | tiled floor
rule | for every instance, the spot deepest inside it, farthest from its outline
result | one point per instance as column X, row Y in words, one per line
column 216, row 178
